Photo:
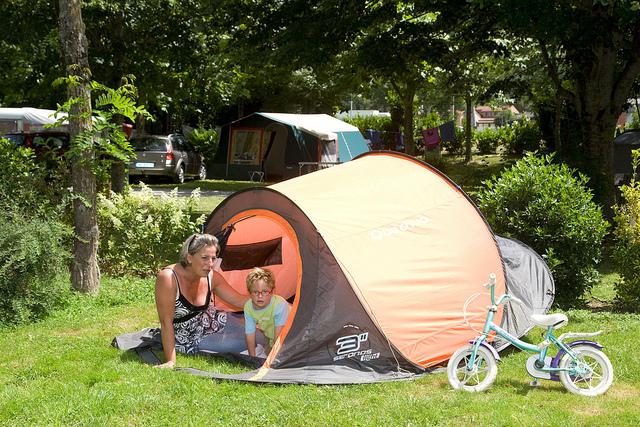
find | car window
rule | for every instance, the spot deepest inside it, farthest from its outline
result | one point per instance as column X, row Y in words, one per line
column 17, row 140
column 178, row 143
column 148, row 144
column 50, row 141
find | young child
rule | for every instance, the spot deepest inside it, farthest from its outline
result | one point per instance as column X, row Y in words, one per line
column 266, row 311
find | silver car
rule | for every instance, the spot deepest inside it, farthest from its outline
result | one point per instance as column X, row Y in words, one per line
column 166, row 156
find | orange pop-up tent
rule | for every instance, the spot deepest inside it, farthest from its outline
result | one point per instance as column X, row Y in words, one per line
column 378, row 256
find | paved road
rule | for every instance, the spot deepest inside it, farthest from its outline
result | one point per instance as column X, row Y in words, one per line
column 186, row 192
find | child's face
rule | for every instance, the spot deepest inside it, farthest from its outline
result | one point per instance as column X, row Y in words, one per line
column 260, row 294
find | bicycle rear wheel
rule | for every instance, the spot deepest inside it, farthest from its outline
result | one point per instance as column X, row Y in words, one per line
column 598, row 376
column 480, row 377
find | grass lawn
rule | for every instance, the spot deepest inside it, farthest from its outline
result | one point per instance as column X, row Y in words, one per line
column 206, row 204
column 63, row 371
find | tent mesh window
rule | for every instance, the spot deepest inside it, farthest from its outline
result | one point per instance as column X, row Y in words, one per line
column 259, row 254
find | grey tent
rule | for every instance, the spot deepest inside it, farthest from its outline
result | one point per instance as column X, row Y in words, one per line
column 527, row 278
column 623, row 144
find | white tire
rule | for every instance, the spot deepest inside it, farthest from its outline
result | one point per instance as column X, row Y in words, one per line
column 179, row 177
column 598, row 377
column 479, row 378
column 202, row 175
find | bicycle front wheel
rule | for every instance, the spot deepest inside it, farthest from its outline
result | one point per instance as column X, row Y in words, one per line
column 480, row 377
column 590, row 374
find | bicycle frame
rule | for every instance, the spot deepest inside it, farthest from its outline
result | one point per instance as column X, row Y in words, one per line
column 541, row 349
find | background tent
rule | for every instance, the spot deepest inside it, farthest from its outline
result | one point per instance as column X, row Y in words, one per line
column 284, row 145
column 623, row 144
column 26, row 119
column 378, row 256
column 527, row 277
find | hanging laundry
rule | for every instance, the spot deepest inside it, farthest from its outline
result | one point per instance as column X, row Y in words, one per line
column 447, row 131
column 430, row 138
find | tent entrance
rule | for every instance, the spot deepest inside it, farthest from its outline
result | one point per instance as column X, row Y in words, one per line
column 274, row 162
column 262, row 238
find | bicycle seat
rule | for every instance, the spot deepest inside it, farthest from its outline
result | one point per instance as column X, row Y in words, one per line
column 556, row 320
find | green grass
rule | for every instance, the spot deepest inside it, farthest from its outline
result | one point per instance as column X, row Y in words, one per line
column 206, row 205
column 212, row 184
column 63, row 371
column 470, row 176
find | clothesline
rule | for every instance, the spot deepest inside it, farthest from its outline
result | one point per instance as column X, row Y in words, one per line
column 431, row 137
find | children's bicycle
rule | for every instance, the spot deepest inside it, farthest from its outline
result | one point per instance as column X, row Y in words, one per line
column 580, row 365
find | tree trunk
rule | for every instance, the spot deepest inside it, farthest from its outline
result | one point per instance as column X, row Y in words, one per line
column 467, row 129
column 557, row 120
column 85, row 275
column 600, row 95
column 598, row 139
column 407, row 118
column 118, row 168
column 118, row 177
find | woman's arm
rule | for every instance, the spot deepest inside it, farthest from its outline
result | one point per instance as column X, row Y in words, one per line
column 227, row 293
column 165, row 304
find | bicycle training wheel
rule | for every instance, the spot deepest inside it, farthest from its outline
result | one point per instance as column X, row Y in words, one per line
column 598, row 376
column 480, row 378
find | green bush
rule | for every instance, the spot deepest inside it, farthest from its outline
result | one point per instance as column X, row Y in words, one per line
column 33, row 242
column 140, row 232
column 205, row 141
column 26, row 186
column 363, row 123
column 548, row 207
column 488, row 140
column 457, row 145
column 526, row 138
column 626, row 251
column 428, row 121
column 34, row 260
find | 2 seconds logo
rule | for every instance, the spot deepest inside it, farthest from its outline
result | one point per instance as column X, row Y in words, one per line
column 354, row 345
column 350, row 343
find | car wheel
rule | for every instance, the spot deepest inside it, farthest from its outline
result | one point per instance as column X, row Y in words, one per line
column 203, row 173
column 179, row 178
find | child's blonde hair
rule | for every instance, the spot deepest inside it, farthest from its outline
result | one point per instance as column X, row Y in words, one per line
column 258, row 274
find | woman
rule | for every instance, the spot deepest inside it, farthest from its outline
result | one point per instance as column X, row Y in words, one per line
column 185, row 300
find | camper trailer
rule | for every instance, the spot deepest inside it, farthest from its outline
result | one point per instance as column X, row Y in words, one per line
column 27, row 119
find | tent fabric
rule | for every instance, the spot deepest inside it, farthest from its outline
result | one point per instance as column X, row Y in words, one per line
column 378, row 256
column 283, row 146
column 623, row 145
column 383, row 252
column 528, row 278
column 320, row 125
column 27, row 118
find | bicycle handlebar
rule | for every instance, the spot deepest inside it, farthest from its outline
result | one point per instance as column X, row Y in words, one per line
column 492, row 281
column 491, row 284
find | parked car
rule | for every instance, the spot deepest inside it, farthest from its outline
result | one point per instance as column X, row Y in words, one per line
column 166, row 156
column 42, row 142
